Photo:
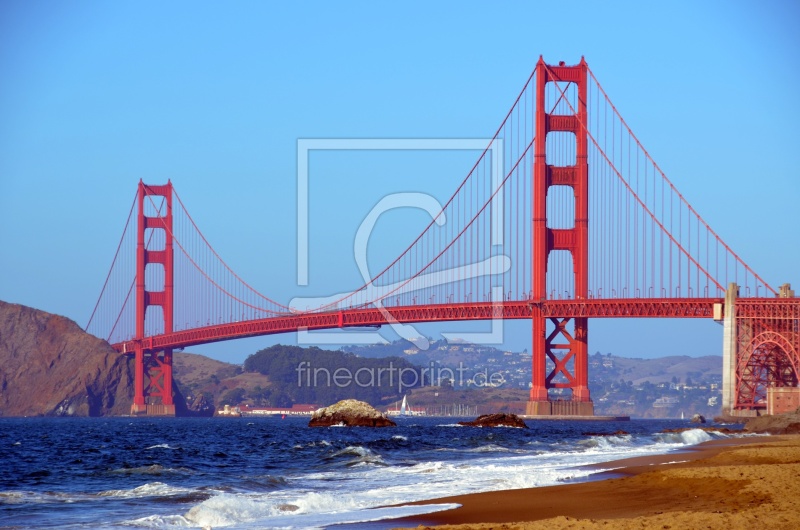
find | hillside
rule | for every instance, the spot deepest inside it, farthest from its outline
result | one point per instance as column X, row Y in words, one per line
column 658, row 370
column 208, row 383
column 50, row 367
column 659, row 387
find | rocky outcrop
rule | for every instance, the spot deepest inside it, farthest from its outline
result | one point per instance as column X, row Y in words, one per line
column 698, row 418
column 350, row 413
column 50, row 367
column 496, row 420
column 788, row 423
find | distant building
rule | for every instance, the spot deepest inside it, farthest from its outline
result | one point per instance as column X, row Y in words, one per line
column 665, row 401
column 295, row 410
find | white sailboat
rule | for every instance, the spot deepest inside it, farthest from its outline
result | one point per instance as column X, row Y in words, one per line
column 405, row 410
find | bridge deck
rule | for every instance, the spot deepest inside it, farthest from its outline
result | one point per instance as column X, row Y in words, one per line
column 593, row 308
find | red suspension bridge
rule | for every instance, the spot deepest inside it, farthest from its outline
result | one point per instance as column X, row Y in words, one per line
column 564, row 217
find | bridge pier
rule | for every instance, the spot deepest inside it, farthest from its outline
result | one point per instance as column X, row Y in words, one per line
column 761, row 351
column 152, row 383
column 729, row 350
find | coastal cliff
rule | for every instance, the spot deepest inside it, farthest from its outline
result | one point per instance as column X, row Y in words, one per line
column 50, row 367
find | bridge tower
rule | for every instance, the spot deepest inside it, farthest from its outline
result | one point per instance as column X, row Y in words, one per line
column 155, row 397
column 566, row 343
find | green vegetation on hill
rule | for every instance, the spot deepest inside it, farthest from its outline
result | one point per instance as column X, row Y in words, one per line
column 313, row 375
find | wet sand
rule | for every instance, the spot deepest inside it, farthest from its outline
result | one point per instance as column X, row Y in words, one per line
column 735, row 483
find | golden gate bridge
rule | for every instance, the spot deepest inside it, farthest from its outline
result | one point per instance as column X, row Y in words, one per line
column 564, row 217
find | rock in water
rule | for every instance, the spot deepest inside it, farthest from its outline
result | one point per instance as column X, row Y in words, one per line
column 698, row 418
column 496, row 420
column 350, row 413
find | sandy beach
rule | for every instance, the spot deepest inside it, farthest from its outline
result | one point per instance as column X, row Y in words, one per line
column 736, row 483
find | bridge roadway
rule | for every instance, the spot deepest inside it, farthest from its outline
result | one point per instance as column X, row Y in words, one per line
column 373, row 316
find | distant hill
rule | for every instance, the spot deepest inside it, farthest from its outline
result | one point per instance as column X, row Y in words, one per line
column 660, row 387
column 50, row 367
column 316, row 376
column 208, row 383
column 658, row 370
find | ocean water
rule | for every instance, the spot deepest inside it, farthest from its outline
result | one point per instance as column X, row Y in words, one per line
column 253, row 473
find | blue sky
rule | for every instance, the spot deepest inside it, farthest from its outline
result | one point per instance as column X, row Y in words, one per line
column 96, row 95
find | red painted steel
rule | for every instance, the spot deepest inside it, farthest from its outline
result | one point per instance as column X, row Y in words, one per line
column 768, row 349
column 155, row 365
column 634, row 308
column 574, row 240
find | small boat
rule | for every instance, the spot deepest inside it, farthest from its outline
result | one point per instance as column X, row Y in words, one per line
column 405, row 410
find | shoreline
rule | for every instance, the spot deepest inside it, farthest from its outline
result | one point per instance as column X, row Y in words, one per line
column 715, row 484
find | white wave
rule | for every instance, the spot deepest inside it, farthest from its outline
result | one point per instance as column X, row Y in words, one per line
column 490, row 448
column 14, row 497
column 161, row 446
column 362, row 455
column 227, row 509
column 313, row 510
column 154, row 469
column 34, row 497
column 399, row 437
column 160, row 521
column 151, row 489
column 450, row 425
column 695, row 436
column 607, row 442
column 690, row 437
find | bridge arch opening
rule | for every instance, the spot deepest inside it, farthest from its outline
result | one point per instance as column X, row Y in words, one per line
column 561, row 149
column 154, row 320
column 769, row 360
column 560, row 275
column 155, row 239
column 561, row 207
column 561, row 100
column 154, row 277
